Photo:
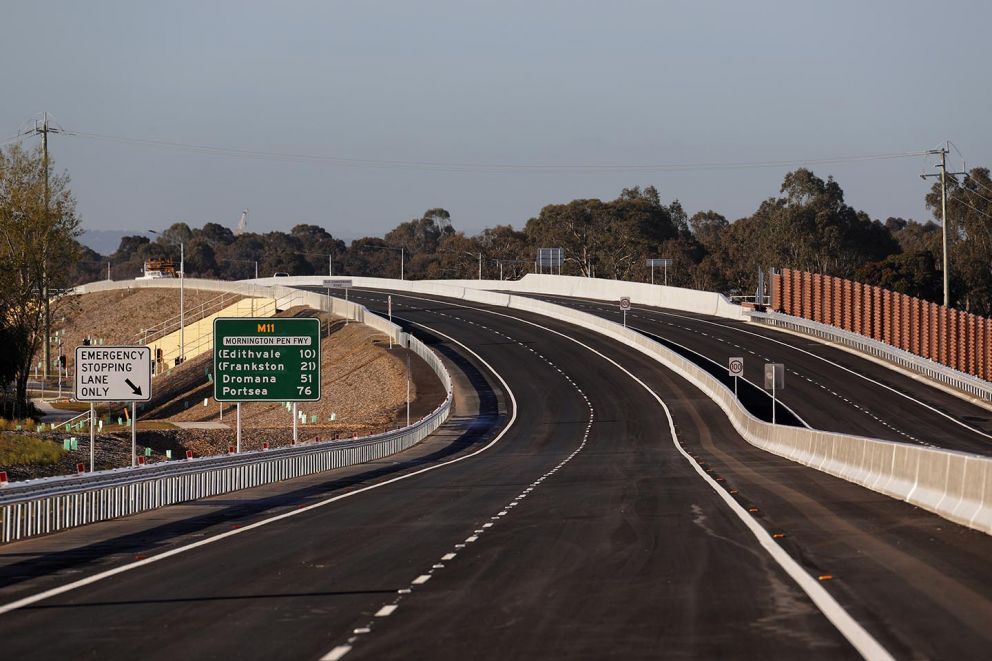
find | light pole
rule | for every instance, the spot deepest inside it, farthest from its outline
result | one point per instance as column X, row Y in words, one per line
column 182, row 296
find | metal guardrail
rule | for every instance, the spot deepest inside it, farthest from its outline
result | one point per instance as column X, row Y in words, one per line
column 959, row 380
column 194, row 314
column 48, row 505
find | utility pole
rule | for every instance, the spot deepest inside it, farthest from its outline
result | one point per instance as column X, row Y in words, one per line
column 943, row 217
column 43, row 131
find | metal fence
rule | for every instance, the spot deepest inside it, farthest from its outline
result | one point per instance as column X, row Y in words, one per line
column 972, row 385
column 48, row 505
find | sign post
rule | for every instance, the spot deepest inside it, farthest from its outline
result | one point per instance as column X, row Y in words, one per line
column 266, row 360
column 625, row 305
column 659, row 262
column 339, row 283
column 735, row 367
column 389, row 304
column 295, row 418
column 113, row 374
column 774, row 381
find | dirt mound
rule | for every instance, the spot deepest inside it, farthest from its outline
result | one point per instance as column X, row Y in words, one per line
column 120, row 316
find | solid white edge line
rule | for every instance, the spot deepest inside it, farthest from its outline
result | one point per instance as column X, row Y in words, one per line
column 851, row 629
column 779, row 402
column 89, row 580
column 829, row 362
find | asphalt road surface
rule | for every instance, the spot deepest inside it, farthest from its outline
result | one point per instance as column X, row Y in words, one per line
column 581, row 530
column 829, row 388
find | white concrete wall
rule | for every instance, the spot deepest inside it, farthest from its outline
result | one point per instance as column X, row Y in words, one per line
column 955, row 485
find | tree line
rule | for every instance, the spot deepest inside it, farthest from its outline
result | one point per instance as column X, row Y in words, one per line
column 807, row 226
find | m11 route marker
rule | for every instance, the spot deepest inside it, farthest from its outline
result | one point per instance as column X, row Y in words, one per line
column 113, row 374
column 266, row 360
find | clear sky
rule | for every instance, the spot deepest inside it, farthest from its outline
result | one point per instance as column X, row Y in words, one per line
column 503, row 82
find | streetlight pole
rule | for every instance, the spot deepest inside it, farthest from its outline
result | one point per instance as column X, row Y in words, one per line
column 182, row 303
column 480, row 265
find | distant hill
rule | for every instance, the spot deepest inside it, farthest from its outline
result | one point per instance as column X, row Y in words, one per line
column 104, row 242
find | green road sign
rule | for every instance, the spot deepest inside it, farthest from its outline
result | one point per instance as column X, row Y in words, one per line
column 266, row 360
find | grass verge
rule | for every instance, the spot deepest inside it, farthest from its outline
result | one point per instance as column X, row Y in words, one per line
column 19, row 450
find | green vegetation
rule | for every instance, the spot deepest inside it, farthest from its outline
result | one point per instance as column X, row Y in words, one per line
column 16, row 425
column 18, row 449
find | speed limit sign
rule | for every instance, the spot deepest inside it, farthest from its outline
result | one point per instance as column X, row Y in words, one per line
column 625, row 303
column 736, row 366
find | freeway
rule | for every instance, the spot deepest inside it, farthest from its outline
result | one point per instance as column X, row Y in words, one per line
column 582, row 528
column 828, row 387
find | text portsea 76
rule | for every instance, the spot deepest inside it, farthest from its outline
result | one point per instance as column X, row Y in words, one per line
column 266, row 359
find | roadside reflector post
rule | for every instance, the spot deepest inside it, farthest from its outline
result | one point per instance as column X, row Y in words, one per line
column 3, row 478
column 189, row 455
column 140, row 459
column 80, row 468
column 265, row 445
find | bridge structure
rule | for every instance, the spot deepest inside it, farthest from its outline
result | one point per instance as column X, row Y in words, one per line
column 595, row 490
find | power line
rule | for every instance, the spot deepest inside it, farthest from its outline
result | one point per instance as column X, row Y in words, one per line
column 976, row 210
column 976, row 181
column 977, row 194
column 485, row 168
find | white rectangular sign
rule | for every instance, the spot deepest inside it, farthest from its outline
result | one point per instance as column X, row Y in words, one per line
column 337, row 284
column 113, row 374
column 736, row 366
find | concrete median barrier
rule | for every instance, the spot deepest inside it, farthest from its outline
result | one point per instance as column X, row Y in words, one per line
column 955, row 485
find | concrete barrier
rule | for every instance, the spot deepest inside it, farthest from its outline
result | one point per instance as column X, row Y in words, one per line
column 640, row 293
column 955, row 485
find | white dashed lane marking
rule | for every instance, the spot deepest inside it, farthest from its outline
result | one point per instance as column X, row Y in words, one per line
column 388, row 609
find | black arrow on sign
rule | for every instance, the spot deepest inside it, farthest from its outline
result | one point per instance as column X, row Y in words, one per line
column 135, row 389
